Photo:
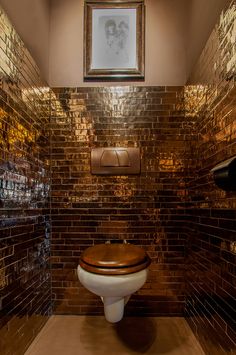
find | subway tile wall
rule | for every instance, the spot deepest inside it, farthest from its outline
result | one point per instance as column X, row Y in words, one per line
column 145, row 209
column 25, row 296
column 211, row 262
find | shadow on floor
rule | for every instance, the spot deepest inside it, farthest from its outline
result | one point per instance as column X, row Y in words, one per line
column 138, row 334
column 87, row 335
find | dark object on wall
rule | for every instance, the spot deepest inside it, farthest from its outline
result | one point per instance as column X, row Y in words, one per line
column 115, row 161
column 225, row 174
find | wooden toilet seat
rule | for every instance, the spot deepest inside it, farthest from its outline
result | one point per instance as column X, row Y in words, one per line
column 114, row 259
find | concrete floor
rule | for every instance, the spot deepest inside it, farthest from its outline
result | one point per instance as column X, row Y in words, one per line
column 88, row 335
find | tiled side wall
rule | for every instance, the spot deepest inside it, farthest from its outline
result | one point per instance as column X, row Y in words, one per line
column 146, row 209
column 24, row 189
column 211, row 293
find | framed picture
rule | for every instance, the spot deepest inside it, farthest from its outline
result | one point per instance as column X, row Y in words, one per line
column 113, row 40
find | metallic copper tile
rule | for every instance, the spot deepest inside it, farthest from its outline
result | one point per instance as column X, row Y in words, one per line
column 211, row 296
column 25, row 300
column 98, row 208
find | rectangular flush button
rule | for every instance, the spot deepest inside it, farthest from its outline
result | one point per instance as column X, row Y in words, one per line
column 115, row 161
column 115, row 158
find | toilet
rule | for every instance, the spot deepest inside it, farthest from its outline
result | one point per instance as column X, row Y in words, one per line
column 113, row 272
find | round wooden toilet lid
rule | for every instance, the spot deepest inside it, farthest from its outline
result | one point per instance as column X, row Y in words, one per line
column 113, row 255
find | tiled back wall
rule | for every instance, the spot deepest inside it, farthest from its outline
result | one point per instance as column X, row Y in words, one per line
column 145, row 209
column 25, row 294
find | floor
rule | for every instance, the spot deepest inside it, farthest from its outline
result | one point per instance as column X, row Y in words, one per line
column 90, row 335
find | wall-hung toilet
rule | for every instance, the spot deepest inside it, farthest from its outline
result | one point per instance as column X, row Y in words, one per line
column 113, row 272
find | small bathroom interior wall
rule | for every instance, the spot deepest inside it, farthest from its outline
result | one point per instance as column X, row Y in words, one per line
column 181, row 117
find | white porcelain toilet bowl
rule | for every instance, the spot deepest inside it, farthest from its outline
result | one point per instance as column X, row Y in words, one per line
column 113, row 272
column 115, row 291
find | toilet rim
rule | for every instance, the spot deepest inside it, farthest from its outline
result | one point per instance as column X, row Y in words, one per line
column 115, row 270
column 114, row 259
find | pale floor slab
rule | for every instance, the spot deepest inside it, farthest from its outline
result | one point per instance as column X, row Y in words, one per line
column 90, row 335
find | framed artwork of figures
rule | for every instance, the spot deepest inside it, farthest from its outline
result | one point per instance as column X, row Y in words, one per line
column 113, row 40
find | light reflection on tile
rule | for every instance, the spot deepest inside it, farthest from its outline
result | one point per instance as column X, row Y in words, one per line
column 211, row 297
column 25, row 299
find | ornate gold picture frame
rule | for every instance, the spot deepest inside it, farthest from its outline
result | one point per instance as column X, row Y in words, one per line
column 114, row 40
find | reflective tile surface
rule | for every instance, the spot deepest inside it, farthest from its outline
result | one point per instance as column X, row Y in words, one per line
column 146, row 209
column 91, row 335
column 211, row 261
column 25, row 295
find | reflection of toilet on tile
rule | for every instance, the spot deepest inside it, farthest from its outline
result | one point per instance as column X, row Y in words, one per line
column 113, row 272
